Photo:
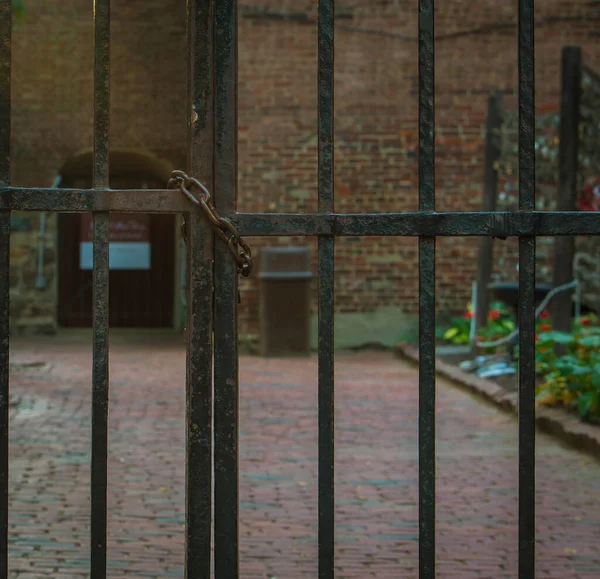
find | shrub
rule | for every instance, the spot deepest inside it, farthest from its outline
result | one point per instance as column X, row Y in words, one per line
column 499, row 325
column 571, row 379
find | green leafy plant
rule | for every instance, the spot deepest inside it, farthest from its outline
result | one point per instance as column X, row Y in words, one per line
column 459, row 330
column 543, row 325
column 571, row 379
column 499, row 325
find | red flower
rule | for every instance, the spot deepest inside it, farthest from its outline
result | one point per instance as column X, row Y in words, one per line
column 537, row 338
column 584, row 205
column 585, row 321
column 494, row 315
column 468, row 315
column 589, row 197
column 545, row 328
column 544, row 315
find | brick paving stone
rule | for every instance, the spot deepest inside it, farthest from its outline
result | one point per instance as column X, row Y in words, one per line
column 376, row 471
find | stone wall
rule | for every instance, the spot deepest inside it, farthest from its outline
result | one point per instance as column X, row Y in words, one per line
column 376, row 86
column 33, row 291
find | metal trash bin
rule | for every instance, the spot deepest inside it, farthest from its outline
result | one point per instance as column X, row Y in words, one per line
column 285, row 295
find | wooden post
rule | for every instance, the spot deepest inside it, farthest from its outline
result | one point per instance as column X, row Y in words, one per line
column 490, row 183
column 564, row 247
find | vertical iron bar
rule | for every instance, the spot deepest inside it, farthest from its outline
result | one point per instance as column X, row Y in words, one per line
column 199, row 303
column 326, row 385
column 226, row 454
column 5, row 108
column 100, row 378
column 426, row 295
column 526, row 294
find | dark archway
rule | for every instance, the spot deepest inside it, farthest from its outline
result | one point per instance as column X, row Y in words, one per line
column 142, row 249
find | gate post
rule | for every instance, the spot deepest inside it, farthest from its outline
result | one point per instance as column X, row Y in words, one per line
column 198, row 444
column 226, row 374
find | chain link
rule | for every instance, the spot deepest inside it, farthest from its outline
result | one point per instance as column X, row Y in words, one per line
column 223, row 227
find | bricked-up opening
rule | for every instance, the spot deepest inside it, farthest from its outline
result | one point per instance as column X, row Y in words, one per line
column 142, row 248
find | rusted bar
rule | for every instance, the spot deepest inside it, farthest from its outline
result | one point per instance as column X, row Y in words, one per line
column 326, row 314
column 199, row 304
column 463, row 224
column 453, row 224
column 459, row 223
column 526, row 294
column 100, row 371
column 5, row 108
column 226, row 379
column 426, row 295
column 81, row 200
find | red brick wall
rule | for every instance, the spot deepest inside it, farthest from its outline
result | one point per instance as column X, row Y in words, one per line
column 376, row 127
column 376, row 87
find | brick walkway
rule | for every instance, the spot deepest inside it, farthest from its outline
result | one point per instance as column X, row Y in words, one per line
column 376, row 472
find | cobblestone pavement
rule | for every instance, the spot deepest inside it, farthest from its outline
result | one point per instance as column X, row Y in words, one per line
column 376, row 471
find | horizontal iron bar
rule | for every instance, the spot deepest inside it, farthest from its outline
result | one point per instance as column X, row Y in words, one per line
column 430, row 224
column 497, row 224
column 81, row 200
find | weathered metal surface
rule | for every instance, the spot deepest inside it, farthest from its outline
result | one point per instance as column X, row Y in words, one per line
column 326, row 547
column 426, row 295
column 81, row 200
column 100, row 370
column 100, row 383
column 223, row 227
column 500, row 224
column 4, row 385
column 5, row 113
column 526, row 294
column 226, row 379
column 326, row 405
column 199, row 401
column 199, row 395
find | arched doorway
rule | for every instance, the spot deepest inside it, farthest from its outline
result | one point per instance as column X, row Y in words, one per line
column 142, row 248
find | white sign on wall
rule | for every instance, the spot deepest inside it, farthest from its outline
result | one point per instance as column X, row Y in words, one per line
column 129, row 242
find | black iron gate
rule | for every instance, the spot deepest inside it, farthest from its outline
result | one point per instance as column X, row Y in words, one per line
column 213, row 91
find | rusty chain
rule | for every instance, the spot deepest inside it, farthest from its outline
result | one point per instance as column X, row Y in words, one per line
column 223, row 227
